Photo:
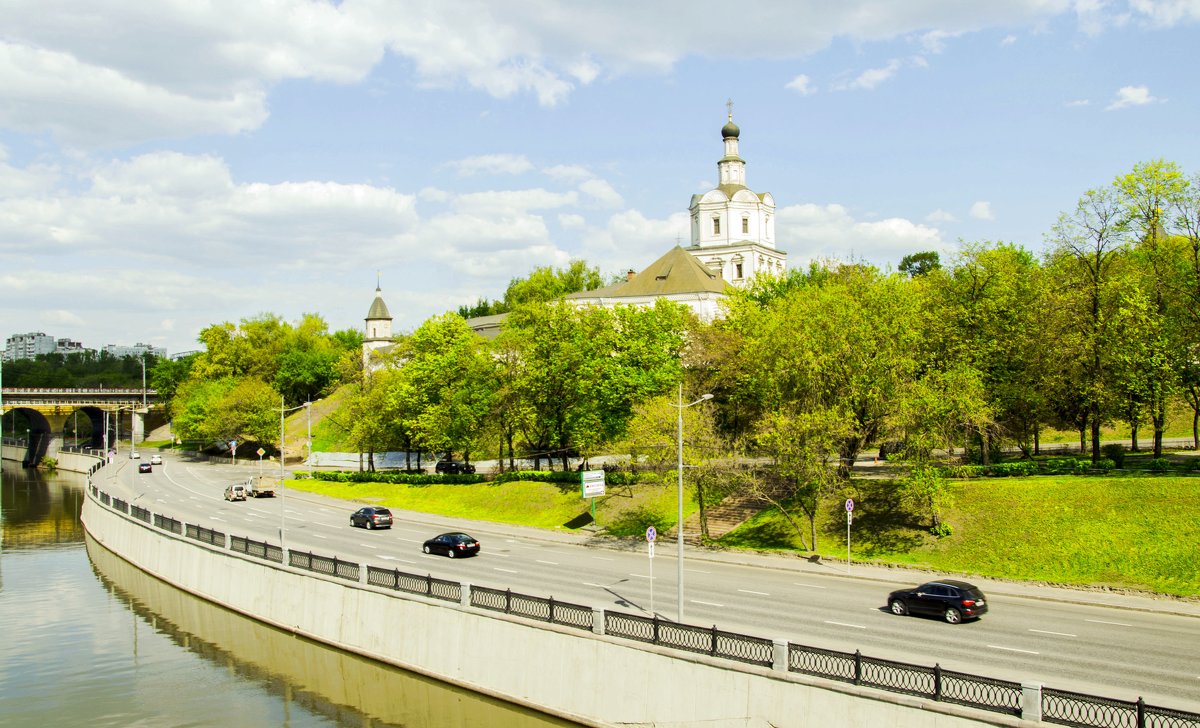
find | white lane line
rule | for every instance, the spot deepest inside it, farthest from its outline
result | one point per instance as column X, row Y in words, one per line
column 317, row 535
column 551, row 563
column 160, row 500
column 369, row 546
column 757, row 593
column 696, row 571
column 409, row 540
column 843, row 624
column 1057, row 634
column 222, row 520
column 507, row 571
column 602, row 558
column 810, row 586
column 1101, row 621
column 497, row 553
column 393, row 558
column 193, row 497
column 642, row 576
column 598, row 586
column 1014, row 649
column 707, row 604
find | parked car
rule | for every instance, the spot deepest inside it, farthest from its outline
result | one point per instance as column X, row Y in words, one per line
column 235, row 492
column 452, row 545
column 156, row 459
column 450, row 467
column 372, row 517
column 950, row 599
column 143, row 467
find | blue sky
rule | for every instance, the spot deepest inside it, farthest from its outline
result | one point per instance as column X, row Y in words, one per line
column 167, row 166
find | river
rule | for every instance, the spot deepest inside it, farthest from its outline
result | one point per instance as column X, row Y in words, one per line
column 89, row 640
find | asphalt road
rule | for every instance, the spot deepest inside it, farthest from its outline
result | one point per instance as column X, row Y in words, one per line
column 1099, row 643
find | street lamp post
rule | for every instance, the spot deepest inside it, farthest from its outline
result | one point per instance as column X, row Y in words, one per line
column 679, row 525
column 283, row 409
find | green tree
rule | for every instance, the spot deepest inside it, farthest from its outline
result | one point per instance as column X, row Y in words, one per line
column 914, row 265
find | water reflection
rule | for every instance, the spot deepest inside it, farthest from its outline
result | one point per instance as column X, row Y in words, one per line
column 41, row 510
column 323, row 680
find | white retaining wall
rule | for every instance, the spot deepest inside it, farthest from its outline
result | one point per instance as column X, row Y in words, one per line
column 592, row 679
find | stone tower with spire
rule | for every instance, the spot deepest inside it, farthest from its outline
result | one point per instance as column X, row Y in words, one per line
column 377, row 333
column 733, row 228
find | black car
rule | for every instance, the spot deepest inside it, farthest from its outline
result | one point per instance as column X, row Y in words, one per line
column 452, row 545
column 143, row 467
column 950, row 599
column 453, row 468
column 372, row 517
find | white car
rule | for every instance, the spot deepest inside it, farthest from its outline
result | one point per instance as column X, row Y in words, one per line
column 135, row 455
column 156, row 459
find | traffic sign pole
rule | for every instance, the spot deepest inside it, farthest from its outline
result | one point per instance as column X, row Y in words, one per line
column 651, row 534
column 849, row 518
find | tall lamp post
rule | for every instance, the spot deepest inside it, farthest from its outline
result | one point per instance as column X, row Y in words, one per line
column 283, row 409
column 679, row 525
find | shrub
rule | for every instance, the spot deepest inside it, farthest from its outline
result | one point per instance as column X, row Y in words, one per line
column 1065, row 466
column 963, row 471
column 1159, row 465
column 1114, row 451
column 635, row 522
column 942, row 530
column 1103, row 464
column 889, row 448
column 1018, row 468
column 537, row 476
column 344, row 476
column 50, row 463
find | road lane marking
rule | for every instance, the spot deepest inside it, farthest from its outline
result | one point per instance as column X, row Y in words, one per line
column 551, row 563
column 317, row 535
column 410, row 540
column 810, row 586
column 1014, row 649
column 1101, row 621
column 642, row 576
column 369, row 546
column 598, row 586
column 1059, row 634
column 843, row 624
column 222, row 520
column 602, row 558
column 696, row 571
column 707, row 604
column 507, row 571
column 394, row 558
column 758, row 593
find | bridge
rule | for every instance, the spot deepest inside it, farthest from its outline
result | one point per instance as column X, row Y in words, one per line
column 47, row 411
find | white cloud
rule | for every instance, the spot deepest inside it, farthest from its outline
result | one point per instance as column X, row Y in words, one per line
column 830, row 232
column 801, row 84
column 569, row 173
column 572, row 221
column 872, row 77
column 1008, row 40
column 939, row 216
column 1077, row 103
column 491, row 164
column 602, row 193
column 1132, row 96
column 935, row 41
column 982, row 210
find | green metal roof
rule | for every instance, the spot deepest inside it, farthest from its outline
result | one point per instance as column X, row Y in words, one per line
column 379, row 309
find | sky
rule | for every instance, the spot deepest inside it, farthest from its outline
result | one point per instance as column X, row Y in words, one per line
column 172, row 165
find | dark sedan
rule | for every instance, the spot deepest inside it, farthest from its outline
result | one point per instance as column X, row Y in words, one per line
column 949, row 599
column 452, row 545
column 143, row 467
column 371, row 517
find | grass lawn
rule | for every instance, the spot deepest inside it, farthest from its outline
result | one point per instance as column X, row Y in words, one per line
column 625, row 510
column 1135, row 532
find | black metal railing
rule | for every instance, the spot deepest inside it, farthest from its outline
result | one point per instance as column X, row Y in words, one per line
column 450, row 591
column 1001, row 696
column 331, row 565
column 120, row 505
column 702, row 640
column 543, row 609
column 167, row 523
column 205, row 535
column 1064, row 707
column 259, row 549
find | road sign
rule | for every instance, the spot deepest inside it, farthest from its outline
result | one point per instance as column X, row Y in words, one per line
column 261, row 452
column 593, row 483
column 849, row 505
column 651, row 534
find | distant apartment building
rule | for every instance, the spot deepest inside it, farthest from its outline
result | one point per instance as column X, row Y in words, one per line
column 29, row 346
column 138, row 349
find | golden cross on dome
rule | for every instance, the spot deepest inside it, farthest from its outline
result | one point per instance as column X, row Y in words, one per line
column 729, row 105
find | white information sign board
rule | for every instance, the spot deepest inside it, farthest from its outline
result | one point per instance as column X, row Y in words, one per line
column 593, row 483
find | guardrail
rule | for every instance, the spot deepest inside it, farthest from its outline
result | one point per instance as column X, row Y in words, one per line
column 934, row 683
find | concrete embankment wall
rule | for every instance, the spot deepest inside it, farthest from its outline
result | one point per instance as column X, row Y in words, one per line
column 592, row 679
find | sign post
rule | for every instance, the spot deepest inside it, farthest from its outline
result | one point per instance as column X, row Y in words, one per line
column 651, row 534
column 849, row 520
column 233, row 450
column 593, row 485
column 261, row 452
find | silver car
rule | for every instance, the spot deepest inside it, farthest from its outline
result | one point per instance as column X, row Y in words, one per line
column 235, row 493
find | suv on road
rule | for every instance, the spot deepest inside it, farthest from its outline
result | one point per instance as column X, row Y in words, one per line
column 235, row 492
column 451, row 467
